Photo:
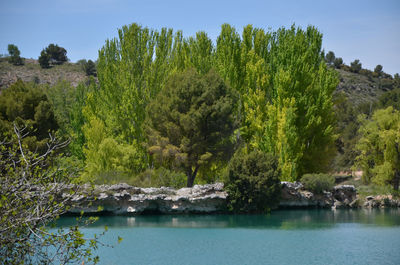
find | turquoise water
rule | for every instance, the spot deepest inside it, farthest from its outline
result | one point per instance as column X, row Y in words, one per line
column 282, row 237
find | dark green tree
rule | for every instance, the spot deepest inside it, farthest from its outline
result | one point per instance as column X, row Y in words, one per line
column 191, row 121
column 58, row 55
column 396, row 79
column 338, row 62
column 90, row 68
column 355, row 66
column 378, row 70
column 52, row 55
column 14, row 53
column 44, row 59
column 330, row 58
column 252, row 182
column 26, row 103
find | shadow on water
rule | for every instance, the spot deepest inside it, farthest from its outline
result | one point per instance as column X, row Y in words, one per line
column 280, row 219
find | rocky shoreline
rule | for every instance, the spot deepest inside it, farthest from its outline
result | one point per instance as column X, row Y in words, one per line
column 123, row 199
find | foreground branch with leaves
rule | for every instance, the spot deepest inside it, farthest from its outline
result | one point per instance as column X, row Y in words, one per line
column 34, row 193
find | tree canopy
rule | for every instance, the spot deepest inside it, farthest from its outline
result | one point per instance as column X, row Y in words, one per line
column 379, row 147
column 283, row 83
column 27, row 104
column 355, row 66
column 14, row 53
column 51, row 55
column 191, row 121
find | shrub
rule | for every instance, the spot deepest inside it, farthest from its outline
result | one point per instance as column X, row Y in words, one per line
column 90, row 68
column 355, row 66
column 161, row 177
column 252, row 182
column 338, row 62
column 318, row 183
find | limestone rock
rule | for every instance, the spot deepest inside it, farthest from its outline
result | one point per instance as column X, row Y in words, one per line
column 123, row 199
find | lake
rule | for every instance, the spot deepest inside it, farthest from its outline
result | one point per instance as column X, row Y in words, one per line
column 282, row 237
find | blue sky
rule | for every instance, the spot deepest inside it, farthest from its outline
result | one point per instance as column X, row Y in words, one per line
column 365, row 30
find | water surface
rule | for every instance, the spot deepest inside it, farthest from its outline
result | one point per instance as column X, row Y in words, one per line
column 282, row 237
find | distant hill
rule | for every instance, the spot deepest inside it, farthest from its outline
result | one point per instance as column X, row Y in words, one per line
column 31, row 71
column 358, row 87
column 361, row 88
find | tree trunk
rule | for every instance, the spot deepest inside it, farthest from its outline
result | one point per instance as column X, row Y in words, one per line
column 191, row 175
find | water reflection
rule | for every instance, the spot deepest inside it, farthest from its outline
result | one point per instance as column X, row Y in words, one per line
column 283, row 219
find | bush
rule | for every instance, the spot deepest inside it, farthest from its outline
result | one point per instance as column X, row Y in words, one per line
column 90, row 68
column 252, row 182
column 318, row 183
column 355, row 66
column 161, row 177
column 338, row 62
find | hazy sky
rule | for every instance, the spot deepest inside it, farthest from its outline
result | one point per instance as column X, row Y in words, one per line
column 365, row 30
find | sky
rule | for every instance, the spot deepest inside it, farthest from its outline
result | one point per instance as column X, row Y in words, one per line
column 360, row 29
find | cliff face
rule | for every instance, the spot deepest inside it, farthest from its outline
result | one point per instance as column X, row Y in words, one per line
column 342, row 196
column 121, row 199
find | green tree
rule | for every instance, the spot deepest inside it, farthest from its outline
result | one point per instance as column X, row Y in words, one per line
column 131, row 71
column 355, row 66
column 90, row 68
column 58, row 55
column 390, row 98
column 338, row 62
column 379, row 147
column 26, row 103
column 252, row 182
column 51, row 55
column 191, row 122
column 347, row 126
column 44, row 59
column 330, row 58
column 378, row 70
column 291, row 115
column 14, row 53
column 284, row 88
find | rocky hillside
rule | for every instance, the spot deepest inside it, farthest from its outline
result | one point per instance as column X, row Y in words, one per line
column 31, row 71
column 360, row 88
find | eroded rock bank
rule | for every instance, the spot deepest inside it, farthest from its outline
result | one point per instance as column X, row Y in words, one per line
column 122, row 199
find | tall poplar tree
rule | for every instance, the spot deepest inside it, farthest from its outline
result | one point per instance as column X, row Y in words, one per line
column 288, row 110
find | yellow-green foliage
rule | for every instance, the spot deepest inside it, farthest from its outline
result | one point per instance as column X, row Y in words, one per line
column 110, row 156
column 285, row 88
column 379, row 147
column 288, row 100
